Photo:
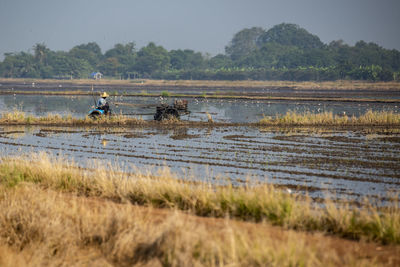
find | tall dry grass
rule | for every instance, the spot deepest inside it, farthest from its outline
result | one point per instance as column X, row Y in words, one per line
column 41, row 227
column 328, row 118
column 253, row 202
column 20, row 117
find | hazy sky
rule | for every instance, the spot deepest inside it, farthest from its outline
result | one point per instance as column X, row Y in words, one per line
column 202, row 25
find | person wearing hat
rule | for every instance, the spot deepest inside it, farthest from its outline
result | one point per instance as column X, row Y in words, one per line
column 102, row 103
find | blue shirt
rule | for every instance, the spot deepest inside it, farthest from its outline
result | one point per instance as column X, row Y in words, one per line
column 101, row 102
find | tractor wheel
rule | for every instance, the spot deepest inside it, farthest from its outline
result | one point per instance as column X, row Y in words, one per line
column 94, row 115
column 171, row 113
column 159, row 115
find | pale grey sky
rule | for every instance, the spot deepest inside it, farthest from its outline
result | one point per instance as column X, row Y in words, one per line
column 201, row 25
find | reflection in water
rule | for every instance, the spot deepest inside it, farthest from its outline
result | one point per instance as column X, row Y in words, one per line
column 104, row 142
column 16, row 131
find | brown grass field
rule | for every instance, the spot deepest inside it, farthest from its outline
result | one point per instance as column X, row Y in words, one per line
column 43, row 227
column 339, row 85
column 54, row 213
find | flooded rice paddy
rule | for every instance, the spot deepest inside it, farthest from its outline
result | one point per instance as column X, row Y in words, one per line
column 343, row 163
column 349, row 164
column 140, row 86
column 221, row 110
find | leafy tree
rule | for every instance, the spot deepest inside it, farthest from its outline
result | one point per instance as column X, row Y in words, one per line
column 273, row 55
column 290, row 35
column 91, row 52
column 63, row 65
column 110, row 66
column 121, row 50
column 41, row 52
column 152, row 58
column 336, row 44
column 20, row 65
column 363, row 55
column 318, row 57
column 186, row 59
column 243, row 43
column 220, row 62
column 119, row 60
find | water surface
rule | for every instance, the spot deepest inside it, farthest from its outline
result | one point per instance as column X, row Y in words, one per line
column 347, row 164
column 221, row 110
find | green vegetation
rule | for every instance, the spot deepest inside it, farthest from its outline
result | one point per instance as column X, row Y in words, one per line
column 165, row 94
column 284, row 52
column 251, row 202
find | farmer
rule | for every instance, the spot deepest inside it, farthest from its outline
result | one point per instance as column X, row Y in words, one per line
column 102, row 103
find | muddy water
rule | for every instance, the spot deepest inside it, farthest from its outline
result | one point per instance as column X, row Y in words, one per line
column 345, row 164
column 236, row 111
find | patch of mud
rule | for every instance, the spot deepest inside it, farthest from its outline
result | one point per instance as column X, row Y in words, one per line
column 184, row 136
column 236, row 137
column 13, row 132
column 59, row 131
column 40, row 134
column 134, row 135
column 291, row 138
column 390, row 139
column 342, row 139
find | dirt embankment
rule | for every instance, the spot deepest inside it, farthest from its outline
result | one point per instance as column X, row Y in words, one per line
column 249, row 89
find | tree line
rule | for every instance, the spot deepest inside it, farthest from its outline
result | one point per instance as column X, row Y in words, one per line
column 284, row 52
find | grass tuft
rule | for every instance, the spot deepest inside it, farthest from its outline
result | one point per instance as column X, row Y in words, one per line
column 328, row 118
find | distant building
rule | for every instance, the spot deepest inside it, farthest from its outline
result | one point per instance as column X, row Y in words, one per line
column 96, row 75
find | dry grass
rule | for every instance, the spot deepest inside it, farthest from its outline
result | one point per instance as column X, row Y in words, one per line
column 19, row 117
column 209, row 118
column 41, row 227
column 257, row 203
column 328, row 118
column 291, row 118
column 339, row 85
